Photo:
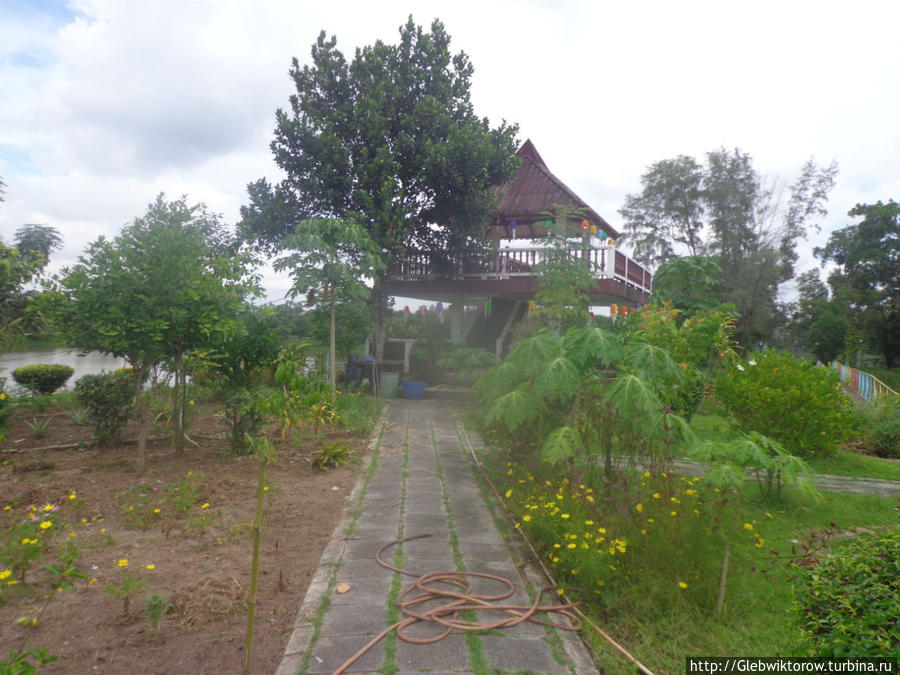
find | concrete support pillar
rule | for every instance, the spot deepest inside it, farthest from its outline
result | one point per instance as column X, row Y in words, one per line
column 457, row 329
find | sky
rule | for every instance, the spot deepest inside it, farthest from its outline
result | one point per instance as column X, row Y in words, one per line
column 106, row 103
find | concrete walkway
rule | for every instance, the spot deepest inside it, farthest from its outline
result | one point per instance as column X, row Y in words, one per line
column 420, row 481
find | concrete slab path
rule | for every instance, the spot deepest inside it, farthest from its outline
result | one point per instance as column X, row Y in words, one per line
column 420, row 481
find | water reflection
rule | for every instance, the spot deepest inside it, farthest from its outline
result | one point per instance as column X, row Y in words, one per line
column 83, row 364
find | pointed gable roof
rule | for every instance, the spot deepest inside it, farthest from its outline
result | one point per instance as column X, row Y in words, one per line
column 531, row 194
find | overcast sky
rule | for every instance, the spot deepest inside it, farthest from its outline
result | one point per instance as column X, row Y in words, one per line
column 105, row 103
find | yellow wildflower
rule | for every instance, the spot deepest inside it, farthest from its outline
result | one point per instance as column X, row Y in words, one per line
column 150, row 567
column 564, row 516
column 123, row 562
column 748, row 526
column 46, row 525
column 508, row 494
column 526, row 518
column 639, row 508
column 682, row 585
column 205, row 505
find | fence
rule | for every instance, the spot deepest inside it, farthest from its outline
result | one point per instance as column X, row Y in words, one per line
column 866, row 385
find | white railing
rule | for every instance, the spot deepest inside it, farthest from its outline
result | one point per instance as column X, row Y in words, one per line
column 607, row 262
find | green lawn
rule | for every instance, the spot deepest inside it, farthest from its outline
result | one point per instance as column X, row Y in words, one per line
column 757, row 617
column 715, row 427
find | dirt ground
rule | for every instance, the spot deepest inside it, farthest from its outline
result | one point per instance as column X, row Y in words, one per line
column 198, row 544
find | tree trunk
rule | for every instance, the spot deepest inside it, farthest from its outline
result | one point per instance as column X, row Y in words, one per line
column 140, row 416
column 332, row 370
column 381, row 316
column 178, row 405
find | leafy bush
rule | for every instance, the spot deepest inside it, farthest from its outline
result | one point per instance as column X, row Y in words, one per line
column 244, row 419
column 882, row 428
column 847, row 605
column 5, row 409
column 331, row 456
column 43, row 378
column 698, row 344
column 790, row 400
column 108, row 400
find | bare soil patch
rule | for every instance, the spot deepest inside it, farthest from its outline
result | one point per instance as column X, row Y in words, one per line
column 200, row 555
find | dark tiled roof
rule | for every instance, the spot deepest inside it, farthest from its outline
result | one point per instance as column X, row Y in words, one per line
column 533, row 193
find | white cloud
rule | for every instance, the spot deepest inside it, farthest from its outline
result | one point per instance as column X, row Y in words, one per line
column 108, row 102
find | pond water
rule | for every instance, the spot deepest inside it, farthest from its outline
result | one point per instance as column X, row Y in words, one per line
column 83, row 364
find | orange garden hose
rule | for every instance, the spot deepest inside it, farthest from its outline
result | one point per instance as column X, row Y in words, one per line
column 455, row 589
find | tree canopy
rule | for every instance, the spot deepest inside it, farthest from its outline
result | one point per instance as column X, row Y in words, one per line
column 724, row 208
column 388, row 140
column 167, row 284
column 868, row 275
column 38, row 240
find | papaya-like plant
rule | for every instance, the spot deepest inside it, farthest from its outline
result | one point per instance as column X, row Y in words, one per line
column 589, row 391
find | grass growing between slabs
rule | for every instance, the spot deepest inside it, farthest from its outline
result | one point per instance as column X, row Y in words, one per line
column 647, row 562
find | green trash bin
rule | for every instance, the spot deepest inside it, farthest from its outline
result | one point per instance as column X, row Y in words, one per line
column 389, row 384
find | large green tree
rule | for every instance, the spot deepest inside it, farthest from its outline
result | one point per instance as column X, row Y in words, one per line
column 21, row 267
column 817, row 321
column 724, row 208
column 389, row 140
column 668, row 211
column 691, row 283
column 16, row 271
column 169, row 283
column 868, row 275
column 38, row 241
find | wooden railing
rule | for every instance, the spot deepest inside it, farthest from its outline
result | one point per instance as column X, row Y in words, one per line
column 866, row 385
column 606, row 262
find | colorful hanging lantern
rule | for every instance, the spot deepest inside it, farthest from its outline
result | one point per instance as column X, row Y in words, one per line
column 424, row 310
column 585, row 225
column 602, row 234
column 623, row 310
column 487, row 307
column 532, row 305
column 406, row 309
column 594, row 230
column 613, row 309
column 512, row 229
column 612, row 242
column 439, row 307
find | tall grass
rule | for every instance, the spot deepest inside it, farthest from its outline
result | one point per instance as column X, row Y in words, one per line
column 657, row 591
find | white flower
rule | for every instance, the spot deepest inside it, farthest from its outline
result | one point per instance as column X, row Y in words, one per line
column 740, row 367
column 751, row 362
